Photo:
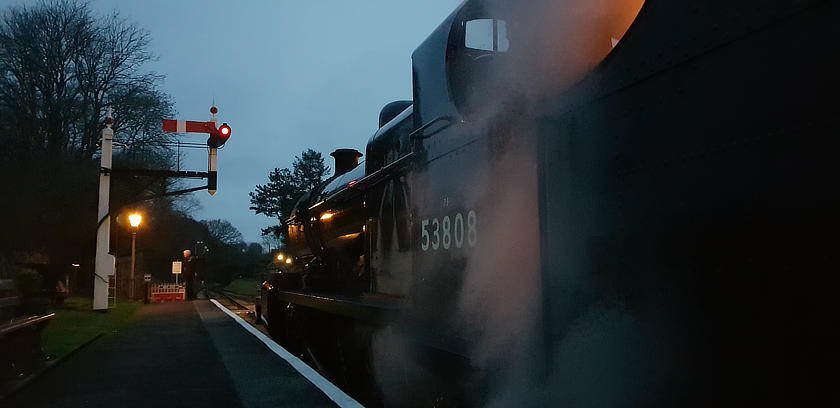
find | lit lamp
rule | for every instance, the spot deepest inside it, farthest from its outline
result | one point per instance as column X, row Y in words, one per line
column 134, row 220
column 283, row 259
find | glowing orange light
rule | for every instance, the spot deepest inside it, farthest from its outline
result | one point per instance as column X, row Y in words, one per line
column 350, row 236
column 288, row 260
column 279, row 257
column 352, row 183
column 134, row 220
column 327, row 215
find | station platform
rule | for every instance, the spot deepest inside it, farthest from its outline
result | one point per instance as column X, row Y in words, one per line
column 181, row 354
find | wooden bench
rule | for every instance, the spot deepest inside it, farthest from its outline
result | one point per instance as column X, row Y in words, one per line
column 20, row 339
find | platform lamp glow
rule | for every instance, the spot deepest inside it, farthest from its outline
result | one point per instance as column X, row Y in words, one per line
column 134, row 220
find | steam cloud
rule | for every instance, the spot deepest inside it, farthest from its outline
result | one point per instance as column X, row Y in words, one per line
column 553, row 44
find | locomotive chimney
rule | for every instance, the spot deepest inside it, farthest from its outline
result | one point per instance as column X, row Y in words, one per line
column 345, row 160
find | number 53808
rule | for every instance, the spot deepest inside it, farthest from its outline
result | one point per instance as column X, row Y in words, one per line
column 449, row 231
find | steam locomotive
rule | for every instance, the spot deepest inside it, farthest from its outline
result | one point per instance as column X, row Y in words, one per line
column 587, row 203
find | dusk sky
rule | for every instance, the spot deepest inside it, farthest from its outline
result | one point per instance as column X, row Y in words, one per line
column 286, row 76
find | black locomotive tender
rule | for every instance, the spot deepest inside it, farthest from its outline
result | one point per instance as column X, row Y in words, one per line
column 586, row 203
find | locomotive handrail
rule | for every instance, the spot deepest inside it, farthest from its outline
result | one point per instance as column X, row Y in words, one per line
column 368, row 181
column 414, row 134
column 377, row 176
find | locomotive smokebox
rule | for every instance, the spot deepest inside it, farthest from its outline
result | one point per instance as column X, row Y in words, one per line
column 345, row 160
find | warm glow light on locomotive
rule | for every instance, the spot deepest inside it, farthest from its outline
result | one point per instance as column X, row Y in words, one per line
column 288, row 260
column 572, row 37
column 327, row 215
column 279, row 257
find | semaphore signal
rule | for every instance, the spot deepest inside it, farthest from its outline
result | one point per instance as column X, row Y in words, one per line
column 105, row 262
column 218, row 137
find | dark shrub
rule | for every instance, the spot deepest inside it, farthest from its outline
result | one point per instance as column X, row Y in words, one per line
column 28, row 283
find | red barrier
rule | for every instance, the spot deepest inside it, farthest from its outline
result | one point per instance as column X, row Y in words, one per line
column 168, row 293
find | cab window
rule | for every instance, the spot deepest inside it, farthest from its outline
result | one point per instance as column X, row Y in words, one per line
column 486, row 35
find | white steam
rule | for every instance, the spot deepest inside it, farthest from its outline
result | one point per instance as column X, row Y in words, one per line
column 553, row 44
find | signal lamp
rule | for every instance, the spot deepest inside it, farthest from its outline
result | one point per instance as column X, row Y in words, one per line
column 220, row 136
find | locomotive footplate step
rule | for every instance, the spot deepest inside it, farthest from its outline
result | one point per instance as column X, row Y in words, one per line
column 182, row 354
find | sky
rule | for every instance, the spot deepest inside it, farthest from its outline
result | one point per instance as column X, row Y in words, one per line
column 285, row 75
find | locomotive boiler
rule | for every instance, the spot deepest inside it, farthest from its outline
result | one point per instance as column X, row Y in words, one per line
column 586, row 203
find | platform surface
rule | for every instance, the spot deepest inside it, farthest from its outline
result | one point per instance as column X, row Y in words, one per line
column 181, row 354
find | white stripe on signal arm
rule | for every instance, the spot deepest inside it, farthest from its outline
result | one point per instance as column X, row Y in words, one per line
column 182, row 126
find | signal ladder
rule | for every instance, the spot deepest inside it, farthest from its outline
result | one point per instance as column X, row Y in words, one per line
column 112, row 290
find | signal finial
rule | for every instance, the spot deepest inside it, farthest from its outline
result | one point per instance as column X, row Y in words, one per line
column 109, row 120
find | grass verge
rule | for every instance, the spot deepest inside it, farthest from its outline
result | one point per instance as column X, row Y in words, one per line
column 76, row 324
column 249, row 288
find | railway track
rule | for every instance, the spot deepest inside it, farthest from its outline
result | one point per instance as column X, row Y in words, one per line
column 233, row 301
column 236, row 304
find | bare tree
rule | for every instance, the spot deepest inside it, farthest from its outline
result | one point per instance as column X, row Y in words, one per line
column 37, row 48
column 223, row 231
column 60, row 67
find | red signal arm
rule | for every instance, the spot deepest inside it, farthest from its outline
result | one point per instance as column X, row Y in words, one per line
column 188, row 126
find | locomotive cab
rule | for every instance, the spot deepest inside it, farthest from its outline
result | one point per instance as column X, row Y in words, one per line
column 477, row 49
column 488, row 51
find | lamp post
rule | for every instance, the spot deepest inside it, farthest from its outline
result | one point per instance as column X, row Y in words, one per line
column 134, row 220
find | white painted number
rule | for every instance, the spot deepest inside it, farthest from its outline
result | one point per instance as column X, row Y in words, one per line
column 459, row 230
column 472, row 234
column 447, row 238
column 440, row 232
column 425, row 244
column 436, row 242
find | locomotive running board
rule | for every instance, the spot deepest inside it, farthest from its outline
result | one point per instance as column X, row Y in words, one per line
column 380, row 314
column 372, row 312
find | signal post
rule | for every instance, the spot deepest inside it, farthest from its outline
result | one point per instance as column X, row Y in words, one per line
column 104, row 265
